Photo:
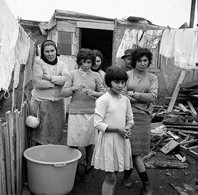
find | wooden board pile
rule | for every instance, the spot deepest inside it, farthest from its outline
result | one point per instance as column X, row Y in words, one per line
column 180, row 118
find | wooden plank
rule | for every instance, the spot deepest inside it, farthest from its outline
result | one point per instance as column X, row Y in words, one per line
column 18, row 156
column 3, row 190
column 169, row 146
column 10, row 120
column 7, row 156
column 192, row 107
column 171, row 164
column 95, row 25
column 184, row 109
column 184, row 131
column 180, row 190
column 195, row 128
column 176, row 91
column 189, row 152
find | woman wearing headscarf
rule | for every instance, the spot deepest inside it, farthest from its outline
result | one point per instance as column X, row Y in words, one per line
column 49, row 75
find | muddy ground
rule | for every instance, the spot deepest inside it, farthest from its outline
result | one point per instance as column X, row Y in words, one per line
column 160, row 179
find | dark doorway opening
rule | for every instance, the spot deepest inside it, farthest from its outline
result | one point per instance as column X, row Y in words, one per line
column 98, row 39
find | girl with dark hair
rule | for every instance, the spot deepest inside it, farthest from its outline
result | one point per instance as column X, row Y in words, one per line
column 49, row 75
column 84, row 86
column 142, row 88
column 113, row 119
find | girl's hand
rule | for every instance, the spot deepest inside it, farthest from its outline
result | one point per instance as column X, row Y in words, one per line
column 78, row 87
column 125, row 133
column 90, row 92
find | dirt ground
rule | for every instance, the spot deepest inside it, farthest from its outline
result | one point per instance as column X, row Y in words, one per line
column 160, row 179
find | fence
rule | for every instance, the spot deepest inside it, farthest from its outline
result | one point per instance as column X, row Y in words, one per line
column 13, row 142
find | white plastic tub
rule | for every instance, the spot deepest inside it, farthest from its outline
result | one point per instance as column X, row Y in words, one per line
column 51, row 169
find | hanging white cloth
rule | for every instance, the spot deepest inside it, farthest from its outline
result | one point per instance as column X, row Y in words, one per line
column 168, row 43
column 9, row 30
column 129, row 39
column 185, row 51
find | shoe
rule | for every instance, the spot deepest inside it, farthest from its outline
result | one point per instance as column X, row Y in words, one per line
column 87, row 178
column 147, row 190
column 127, row 182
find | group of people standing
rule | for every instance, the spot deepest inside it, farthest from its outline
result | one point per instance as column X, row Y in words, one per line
column 109, row 112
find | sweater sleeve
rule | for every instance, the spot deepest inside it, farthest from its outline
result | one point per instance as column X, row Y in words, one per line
column 61, row 78
column 152, row 92
column 129, row 116
column 38, row 82
column 68, row 86
column 100, row 112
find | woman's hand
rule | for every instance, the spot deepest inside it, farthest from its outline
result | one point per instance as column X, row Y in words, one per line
column 47, row 77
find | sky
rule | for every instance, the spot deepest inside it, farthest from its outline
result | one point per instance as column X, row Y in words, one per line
column 171, row 13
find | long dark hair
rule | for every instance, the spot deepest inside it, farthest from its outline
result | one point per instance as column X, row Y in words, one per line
column 98, row 54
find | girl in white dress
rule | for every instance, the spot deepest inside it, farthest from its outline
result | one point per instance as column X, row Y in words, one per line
column 114, row 119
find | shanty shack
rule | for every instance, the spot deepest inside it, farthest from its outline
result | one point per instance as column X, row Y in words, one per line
column 72, row 31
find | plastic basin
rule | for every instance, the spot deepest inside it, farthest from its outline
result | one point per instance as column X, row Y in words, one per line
column 51, row 169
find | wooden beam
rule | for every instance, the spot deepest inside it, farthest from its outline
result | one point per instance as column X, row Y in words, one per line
column 176, row 91
column 192, row 107
column 192, row 13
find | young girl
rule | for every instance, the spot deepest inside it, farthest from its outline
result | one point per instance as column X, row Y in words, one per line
column 84, row 86
column 114, row 119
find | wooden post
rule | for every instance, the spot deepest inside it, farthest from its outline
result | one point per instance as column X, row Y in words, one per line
column 192, row 13
column 176, row 91
column 10, row 122
column 3, row 190
column 6, row 144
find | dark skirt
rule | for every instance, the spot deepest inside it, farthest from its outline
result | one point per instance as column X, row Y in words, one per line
column 141, row 134
column 50, row 129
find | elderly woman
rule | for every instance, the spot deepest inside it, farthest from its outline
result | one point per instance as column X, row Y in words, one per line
column 142, row 88
column 49, row 75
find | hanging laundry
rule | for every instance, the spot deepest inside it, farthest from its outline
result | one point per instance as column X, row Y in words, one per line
column 185, row 51
column 21, row 52
column 129, row 39
column 150, row 39
column 9, row 30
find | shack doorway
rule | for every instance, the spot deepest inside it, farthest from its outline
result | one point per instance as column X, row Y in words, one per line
column 98, row 39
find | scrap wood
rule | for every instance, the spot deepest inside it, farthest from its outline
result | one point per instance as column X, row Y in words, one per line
column 191, row 127
column 158, row 142
column 169, row 146
column 189, row 142
column 171, row 164
column 185, row 140
column 176, row 91
column 184, row 131
column 180, row 123
column 181, row 158
column 184, row 109
column 192, row 107
column 172, row 135
column 184, row 189
column 180, row 190
column 188, row 151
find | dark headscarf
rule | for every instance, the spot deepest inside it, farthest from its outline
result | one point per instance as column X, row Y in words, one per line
column 44, row 44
